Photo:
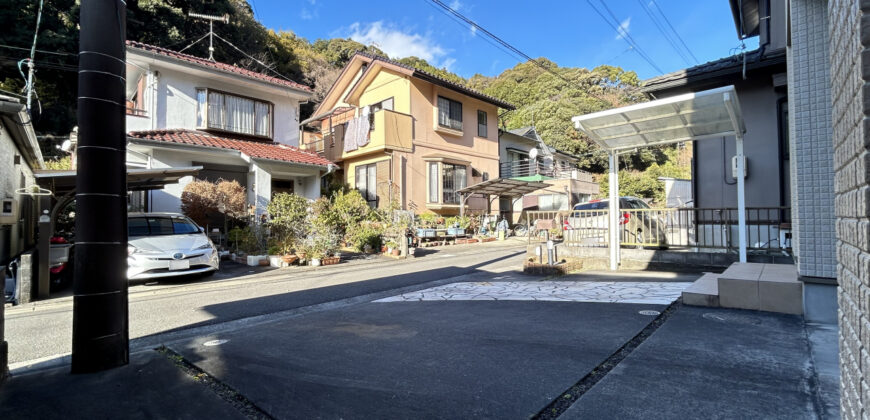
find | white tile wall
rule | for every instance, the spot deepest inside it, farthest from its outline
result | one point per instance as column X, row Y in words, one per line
column 812, row 170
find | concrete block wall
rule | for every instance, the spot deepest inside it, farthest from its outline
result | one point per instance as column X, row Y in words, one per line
column 812, row 172
column 850, row 92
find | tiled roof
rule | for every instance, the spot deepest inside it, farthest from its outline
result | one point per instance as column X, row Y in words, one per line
column 438, row 80
column 721, row 67
column 229, row 68
column 254, row 149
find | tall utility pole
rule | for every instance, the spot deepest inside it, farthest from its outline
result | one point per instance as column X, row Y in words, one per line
column 32, row 56
column 100, row 320
column 211, row 20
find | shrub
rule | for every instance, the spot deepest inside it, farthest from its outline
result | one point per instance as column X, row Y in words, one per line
column 199, row 200
column 366, row 233
column 289, row 222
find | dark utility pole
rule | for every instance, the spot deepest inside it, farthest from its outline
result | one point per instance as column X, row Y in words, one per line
column 100, row 324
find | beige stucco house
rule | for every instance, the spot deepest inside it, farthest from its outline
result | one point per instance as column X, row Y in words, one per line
column 406, row 136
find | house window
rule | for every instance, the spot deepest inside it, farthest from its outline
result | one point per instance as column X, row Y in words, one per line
column 453, row 179
column 449, row 113
column 382, row 105
column 367, row 183
column 223, row 111
column 433, row 182
column 481, row 124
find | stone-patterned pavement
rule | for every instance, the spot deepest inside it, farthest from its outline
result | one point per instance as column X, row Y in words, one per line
column 662, row 293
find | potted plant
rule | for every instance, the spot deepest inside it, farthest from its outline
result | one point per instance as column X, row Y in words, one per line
column 392, row 247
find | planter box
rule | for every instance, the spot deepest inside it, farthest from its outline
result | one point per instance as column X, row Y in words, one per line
column 276, row 261
column 455, row 231
column 254, row 260
column 426, row 233
column 330, row 260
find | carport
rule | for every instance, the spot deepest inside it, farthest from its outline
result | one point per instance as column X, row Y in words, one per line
column 499, row 187
column 703, row 115
column 61, row 186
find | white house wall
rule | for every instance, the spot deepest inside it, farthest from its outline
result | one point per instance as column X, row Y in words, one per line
column 10, row 180
column 175, row 104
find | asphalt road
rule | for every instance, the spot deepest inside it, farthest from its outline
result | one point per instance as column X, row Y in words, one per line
column 43, row 330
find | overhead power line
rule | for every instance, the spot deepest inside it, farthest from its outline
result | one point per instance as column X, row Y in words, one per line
column 507, row 47
column 39, row 51
column 268, row 67
column 624, row 33
column 668, row 36
column 677, row 34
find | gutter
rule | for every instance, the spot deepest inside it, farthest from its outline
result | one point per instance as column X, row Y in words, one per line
column 17, row 112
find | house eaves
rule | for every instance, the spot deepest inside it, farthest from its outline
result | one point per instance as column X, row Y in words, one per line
column 18, row 122
column 719, row 72
column 428, row 77
column 182, row 62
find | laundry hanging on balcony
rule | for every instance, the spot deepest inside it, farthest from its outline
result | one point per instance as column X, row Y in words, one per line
column 357, row 134
column 350, row 136
column 364, row 126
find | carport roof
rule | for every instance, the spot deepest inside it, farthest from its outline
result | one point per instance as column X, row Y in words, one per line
column 692, row 116
column 138, row 179
column 504, row 187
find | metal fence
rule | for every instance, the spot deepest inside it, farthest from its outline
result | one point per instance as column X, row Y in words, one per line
column 768, row 228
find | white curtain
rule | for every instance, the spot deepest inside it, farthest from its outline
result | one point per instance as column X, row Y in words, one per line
column 263, row 122
column 240, row 115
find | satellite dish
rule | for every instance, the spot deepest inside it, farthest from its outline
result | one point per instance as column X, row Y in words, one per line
column 533, row 154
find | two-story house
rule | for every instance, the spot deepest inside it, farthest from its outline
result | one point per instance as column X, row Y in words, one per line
column 234, row 123
column 525, row 156
column 405, row 136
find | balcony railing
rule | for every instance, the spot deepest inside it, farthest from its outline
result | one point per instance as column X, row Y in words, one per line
column 136, row 112
column 556, row 169
column 768, row 228
column 392, row 130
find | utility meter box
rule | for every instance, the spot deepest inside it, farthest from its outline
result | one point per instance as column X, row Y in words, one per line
column 734, row 167
column 8, row 211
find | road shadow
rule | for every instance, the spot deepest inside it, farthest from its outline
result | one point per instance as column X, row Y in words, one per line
column 230, row 311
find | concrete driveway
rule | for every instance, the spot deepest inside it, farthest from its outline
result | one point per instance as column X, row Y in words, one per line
column 505, row 348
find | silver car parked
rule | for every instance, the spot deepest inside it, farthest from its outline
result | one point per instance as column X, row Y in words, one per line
column 167, row 244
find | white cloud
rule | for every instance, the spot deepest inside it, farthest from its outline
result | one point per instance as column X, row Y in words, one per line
column 306, row 14
column 398, row 43
column 455, row 5
column 474, row 31
column 622, row 30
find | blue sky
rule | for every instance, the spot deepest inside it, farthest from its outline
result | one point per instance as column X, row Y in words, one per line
column 568, row 32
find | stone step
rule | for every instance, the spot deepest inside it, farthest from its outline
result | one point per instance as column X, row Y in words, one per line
column 703, row 292
column 761, row 287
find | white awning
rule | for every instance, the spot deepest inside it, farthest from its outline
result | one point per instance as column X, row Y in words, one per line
column 712, row 113
column 709, row 114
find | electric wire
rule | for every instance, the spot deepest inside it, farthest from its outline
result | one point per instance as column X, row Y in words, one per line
column 624, row 34
column 668, row 36
column 254, row 59
column 668, row 22
column 39, row 51
column 512, row 49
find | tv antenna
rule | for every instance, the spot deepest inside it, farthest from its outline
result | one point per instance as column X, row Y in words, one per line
column 211, row 20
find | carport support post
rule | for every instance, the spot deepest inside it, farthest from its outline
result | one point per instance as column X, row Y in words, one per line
column 100, row 320
column 741, row 199
column 613, row 210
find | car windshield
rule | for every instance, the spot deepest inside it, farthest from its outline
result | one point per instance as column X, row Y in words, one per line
column 160, row 225
column 595, row 205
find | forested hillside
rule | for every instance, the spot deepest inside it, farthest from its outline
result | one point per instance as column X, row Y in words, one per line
column 543, row 99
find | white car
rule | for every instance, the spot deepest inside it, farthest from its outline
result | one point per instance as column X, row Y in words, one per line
column 166, row 245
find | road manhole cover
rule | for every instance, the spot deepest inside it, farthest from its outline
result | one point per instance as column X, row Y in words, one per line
column 213, row 343
column 650, row 313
